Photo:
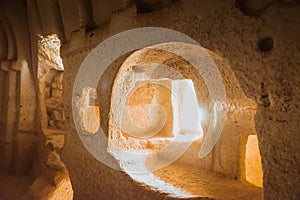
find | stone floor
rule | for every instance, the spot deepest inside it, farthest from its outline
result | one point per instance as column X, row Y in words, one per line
column 186, row 182
column 178, row 180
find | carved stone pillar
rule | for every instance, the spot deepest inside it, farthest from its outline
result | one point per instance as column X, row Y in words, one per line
column 9, row 101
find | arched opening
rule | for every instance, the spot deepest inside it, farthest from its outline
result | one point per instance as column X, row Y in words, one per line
column 89, row 111
column 253, row 168
column 137, row 82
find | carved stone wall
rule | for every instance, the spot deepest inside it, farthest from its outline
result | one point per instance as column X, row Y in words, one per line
column 18, row 102
column 259, row 40
column 222, row 28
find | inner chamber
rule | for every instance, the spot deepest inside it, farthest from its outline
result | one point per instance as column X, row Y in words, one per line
column 144, row 82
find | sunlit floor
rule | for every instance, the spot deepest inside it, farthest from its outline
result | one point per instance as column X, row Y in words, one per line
column 13, row 187
column 177, row 180
column 187, row 182
column 207, row 184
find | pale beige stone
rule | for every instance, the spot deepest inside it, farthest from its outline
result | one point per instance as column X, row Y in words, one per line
column 261, row 87
column 56, row 141
column 54, row 161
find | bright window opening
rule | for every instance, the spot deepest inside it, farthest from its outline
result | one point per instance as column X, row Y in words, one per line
column 155, row 112
column 253, row 162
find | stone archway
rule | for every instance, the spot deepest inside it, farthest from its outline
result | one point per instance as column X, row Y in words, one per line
column 226, row 158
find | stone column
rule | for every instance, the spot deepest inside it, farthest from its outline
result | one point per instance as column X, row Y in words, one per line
column 9, row 101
